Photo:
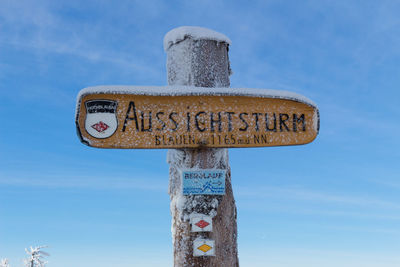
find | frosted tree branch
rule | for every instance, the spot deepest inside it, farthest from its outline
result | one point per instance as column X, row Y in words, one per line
column 4, row 263
column 35, row 257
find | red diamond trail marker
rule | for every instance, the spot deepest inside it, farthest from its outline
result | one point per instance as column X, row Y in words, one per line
column 100, row 126
column 201, row 223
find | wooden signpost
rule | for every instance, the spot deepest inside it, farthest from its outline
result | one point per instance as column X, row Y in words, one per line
column 179, row 117
column 197, row 117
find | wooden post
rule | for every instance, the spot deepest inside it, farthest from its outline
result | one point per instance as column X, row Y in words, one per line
column 199, row 57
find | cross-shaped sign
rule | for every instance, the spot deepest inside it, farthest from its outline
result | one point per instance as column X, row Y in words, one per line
column 196, row 118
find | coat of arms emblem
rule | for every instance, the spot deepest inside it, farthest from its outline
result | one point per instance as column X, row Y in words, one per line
column 101, row 119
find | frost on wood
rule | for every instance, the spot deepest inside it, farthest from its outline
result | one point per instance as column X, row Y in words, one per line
column 179, row 90
column 200, row 59
column 220, row 208
column 187, row 206
column 35, row 257
column 4, row 263
column 197, row 61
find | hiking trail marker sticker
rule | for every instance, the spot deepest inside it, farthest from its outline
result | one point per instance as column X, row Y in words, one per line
column 201, row 223
column 203, row 247
column 203, row 182
column 193, row 117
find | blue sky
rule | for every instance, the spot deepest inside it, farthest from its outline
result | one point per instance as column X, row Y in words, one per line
column 334, row 202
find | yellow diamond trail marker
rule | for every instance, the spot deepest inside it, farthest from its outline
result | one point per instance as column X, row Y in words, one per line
column 203, row 247
column 192, row 117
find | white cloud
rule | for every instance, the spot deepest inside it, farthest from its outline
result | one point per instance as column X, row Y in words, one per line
column 37, row 27
column 298, row 257
column 91, row 183
column 316, row 196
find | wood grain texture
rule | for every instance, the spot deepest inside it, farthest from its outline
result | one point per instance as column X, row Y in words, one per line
column 146, row 121
column 202, row 63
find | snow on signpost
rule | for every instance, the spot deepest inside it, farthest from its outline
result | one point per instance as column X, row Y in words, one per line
column 196, row 117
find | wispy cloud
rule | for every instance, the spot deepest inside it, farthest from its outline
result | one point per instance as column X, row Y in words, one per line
column 39, row 28
column 316, row 196
column 86, row 51
column 325, row 255
column 341, row 119
column 85, row 182
column 387, row 183
column 363, row 229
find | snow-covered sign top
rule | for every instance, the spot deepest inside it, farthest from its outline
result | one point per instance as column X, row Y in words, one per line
column 197, row 33
column 183, row 117
column 195, row 91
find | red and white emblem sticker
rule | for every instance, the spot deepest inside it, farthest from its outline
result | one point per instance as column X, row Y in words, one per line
column 101, row 120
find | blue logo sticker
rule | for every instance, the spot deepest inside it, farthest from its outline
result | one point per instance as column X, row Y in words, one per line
column 203, row 182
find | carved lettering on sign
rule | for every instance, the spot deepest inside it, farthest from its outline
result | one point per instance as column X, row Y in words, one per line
column 147, row 121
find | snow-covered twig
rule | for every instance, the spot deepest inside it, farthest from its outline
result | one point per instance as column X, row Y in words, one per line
column 36, row 256
column 4, row 263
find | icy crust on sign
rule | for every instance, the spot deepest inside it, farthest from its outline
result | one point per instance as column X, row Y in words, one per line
column 188, row 206
column 192, row 90
column 191, row 205
column 197, row 33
